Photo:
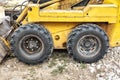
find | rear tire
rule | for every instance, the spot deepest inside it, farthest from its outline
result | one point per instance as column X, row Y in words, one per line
column 31, row 44
column 87, row 43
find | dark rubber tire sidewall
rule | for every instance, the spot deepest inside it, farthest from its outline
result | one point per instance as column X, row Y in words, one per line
column 82, row 30
column 43, row 34
column 91, row 58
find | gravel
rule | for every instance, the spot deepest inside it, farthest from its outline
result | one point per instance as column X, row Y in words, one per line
column 61, row 67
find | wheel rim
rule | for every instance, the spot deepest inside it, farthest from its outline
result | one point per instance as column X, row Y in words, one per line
column 89, row 45
column 32, row 44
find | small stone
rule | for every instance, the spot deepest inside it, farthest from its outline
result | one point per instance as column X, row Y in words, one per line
column 98, row 75
column 102, row 74
column 98, row 67
column 101, row 78
column 93, row 65
column 8, row 66
column 92, row 69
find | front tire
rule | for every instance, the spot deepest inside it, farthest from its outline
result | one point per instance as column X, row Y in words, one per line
column 31, row 44
column 87, row 43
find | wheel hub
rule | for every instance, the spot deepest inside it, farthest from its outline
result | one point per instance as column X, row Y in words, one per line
column 88, row 45
column 32, row 44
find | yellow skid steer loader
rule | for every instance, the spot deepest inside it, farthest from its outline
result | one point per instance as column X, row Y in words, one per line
column 86, row 28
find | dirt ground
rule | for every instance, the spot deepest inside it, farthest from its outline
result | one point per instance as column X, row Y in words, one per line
column 60, row 66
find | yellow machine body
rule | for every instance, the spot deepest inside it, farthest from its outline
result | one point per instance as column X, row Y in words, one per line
column 61, row 22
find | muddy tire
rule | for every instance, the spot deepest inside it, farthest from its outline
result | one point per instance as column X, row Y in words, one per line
column 87, row 43
column 31, row 44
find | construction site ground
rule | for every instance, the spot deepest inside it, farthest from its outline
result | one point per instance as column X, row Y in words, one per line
column 60, row 66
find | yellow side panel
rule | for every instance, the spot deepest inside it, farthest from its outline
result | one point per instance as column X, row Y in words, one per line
column 114, row 29
column 114, row 34
column 63, row 29
column 101, row 10
column 93, row 13
column 60, row 32
column 111, row 1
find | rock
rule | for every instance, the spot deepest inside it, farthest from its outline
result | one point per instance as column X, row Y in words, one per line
column 92, row 69
column 8, row 66
column 101, row 78
column 98, row 66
